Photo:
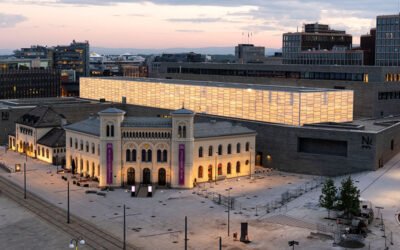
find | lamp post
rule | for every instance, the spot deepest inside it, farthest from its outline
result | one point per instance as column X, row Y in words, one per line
column 74, row 243
column 250, row 161
column 25, row 181
column 68, row 202
column 229, row 208
column 124, row 247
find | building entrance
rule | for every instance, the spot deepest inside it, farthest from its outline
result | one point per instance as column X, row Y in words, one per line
column 131, row 176
column 162, row 177
column 146, row 176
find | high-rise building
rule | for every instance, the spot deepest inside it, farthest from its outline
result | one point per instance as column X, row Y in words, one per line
column 248, row 53
column 311, row 45
column 74, row 56
column 387, row 40
column 367, row 44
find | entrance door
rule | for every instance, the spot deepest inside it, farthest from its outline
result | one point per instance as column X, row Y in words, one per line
column 131, row 176
column 162, row 177
column 146, row 176
column 210, row 173
column 259, row 157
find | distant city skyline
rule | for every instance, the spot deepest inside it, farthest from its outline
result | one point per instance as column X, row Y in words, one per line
column 161, row 24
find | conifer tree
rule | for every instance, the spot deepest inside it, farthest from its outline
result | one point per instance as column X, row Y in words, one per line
column 349, row 198
column 328, row 196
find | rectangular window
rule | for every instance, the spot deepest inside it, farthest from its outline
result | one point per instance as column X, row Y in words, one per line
column 322, row 146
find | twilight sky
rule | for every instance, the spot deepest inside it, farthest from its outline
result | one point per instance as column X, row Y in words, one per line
column 177, row 23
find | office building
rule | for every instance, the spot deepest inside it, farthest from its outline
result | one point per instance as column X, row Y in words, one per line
column 368, row 44
column 248, row 53
column 174, row 152
column 387, row 40
column 314, row 43
column 274, row 104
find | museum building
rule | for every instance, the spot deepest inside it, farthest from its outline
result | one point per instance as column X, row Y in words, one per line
column 172, row 151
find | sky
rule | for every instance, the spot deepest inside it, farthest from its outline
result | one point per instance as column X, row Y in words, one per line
column 178, row 23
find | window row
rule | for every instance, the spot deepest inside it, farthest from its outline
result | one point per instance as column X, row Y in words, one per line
column 157, row 135
column 219, row 170
column 220, row 149
column 41, row 152
column 92, row 149
column 131, row 155
column 26, row 131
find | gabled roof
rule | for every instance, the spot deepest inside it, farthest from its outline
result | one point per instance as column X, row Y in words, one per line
column 89, row 126
column 216, row 129
column 41, row 117
column 112, row 111
column 55, row 138
column 147, row 122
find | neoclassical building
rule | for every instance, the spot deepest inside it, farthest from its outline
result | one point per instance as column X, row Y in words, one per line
column 174, row 152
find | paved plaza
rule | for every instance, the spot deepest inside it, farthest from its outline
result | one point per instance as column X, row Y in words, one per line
column 158, row 222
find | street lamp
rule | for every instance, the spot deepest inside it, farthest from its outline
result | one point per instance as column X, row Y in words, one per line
column 250, row 161
column 74, row 243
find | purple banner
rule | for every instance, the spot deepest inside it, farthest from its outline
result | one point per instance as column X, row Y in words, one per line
column 109, row 163
column 181, row 164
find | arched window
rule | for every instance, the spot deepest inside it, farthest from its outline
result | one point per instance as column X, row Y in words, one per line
column 220, row 150
column 87, row 147
column 39, row 150
column 247, row 162
column 128, row 155
column 238, row 148
column 98, row 149
column 143, row 155
column 76, row 143
column 184, row 132
column 247, row 146
column 238, row 167
column 108, row 130
column 87, row 167
column 200, row 152
column 149, row 155
column 229, row 149
column 43, row 152
column 70, row 142
column 93, row 148
column 112, row 130
column 179, row 131
column 210, row 151
column 81, row 145
column 159, row 156
column 200, row 172
column 165, row 155
column 220, row 169
column 47, row 153
column 133, row 155
column 229, row 168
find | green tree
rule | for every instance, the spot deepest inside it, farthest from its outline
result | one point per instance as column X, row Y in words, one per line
column 328, row 196
column 349, row 200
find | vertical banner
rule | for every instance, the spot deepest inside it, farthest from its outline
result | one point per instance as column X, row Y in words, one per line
column 109, row 163
column 181, row 164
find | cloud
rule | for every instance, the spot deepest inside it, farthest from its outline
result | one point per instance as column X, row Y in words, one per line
column 9, row 20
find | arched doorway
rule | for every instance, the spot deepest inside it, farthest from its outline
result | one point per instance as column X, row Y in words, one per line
column 210, row 173
column 162, row 177
column 146, row 176
column 131, row 176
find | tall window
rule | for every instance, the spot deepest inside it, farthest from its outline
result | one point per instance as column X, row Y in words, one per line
column 149, row 155
column 159, row 156
column 200, row 172
column 76, row 143
column 220, row 169
column 220, row 150
column 210, row 151
column 165, row 155
column 184, row 132
column 229, row 149
column 238, row 148
column 179, row 131
column 93, row 148
column 70, row 142
column 47, row 153
column 143, row 155
column 133, row 155
column 98, row 149
column 200, row 152
column 128, row 155
column 112, row 130
column 87, row 147
column 108, row 130
column 229, row 168
column 81, row 145
column 238, row 167
column 247, row 146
